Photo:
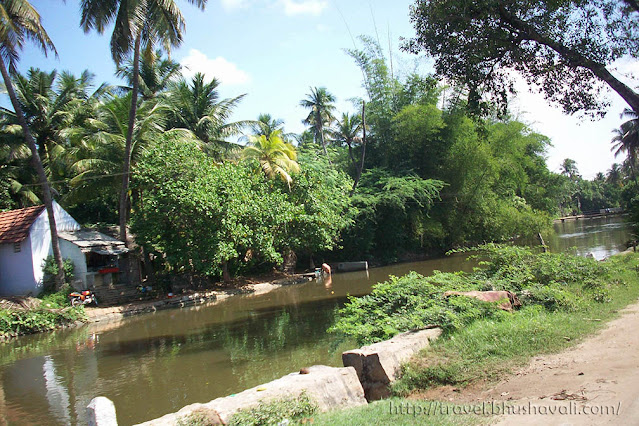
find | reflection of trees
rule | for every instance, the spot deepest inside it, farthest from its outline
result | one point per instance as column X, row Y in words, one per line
column 41, row 344
column 177, row 358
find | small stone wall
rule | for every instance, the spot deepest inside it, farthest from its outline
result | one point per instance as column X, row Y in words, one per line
column 378, row 365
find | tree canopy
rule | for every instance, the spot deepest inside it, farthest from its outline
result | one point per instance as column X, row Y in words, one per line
column 564, row 47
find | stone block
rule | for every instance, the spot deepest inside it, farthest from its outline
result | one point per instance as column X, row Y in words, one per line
column 101, row 412
column 330, row 388
column 377, row 365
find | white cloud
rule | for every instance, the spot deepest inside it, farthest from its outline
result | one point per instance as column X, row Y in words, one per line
column 225, row 71
column 303, row 7
column 234, row 4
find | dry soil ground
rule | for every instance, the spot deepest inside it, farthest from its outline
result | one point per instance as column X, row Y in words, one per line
column 594, row 383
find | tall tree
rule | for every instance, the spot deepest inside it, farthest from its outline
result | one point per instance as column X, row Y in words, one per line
column 569, row 168
column 51, row 102
column 97, row 147
column 321, row 103
column 564, row 47
column 137, row 24
column 267, row 125
column 20, row 21
column 347, row 131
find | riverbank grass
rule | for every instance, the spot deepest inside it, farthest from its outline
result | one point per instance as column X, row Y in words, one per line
column 565, row 299
column 488, row 348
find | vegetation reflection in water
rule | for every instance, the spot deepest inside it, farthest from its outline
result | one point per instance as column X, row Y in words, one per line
column 155, row 364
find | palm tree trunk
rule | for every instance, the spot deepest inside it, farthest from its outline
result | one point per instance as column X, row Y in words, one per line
column 42, row 177
column 361, row 163
column 124, row 194
column 321, row 129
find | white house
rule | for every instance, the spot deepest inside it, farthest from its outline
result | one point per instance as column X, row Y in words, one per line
column 25, row 243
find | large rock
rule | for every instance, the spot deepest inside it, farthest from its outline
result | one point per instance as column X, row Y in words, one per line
column 101, row 412
column 377, row 365
column 329, row 387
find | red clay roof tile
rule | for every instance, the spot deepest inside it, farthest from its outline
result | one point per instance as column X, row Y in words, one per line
column 15, row 224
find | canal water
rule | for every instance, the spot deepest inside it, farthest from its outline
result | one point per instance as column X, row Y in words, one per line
column 154, row 364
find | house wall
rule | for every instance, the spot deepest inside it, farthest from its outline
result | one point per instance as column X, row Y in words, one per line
column 73, row 252
column 40, row 236
column 16, row 270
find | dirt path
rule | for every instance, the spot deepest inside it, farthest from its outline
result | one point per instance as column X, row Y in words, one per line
column 594, row 383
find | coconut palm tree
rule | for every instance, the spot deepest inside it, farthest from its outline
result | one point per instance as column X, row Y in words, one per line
column 137, row 24
column 196, row 106
column 569, row 168
column 52, row 102
column 626, row 139
column 98, row 146
column 276, row 157
column 155, row 74
column 613, row 176
column 347, row 131
column 19, row 22
column 18, row 179
column 320, row 102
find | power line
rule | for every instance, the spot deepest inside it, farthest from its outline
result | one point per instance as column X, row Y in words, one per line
column 81, row 179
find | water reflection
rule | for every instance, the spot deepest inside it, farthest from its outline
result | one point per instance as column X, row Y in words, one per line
column 602, row 237
column 154, row 364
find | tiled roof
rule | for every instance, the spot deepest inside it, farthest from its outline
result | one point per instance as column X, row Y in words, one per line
column 15, row 224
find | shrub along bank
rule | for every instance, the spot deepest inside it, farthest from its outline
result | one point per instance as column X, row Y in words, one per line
column 31, row 315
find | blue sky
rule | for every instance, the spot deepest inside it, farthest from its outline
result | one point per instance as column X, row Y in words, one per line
column 274, row 50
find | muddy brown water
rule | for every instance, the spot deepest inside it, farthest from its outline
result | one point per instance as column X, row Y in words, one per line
column 154, row 364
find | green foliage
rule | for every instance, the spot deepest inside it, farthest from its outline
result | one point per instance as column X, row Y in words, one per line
column 28, row 321
column 274, row 412
column 50, row 270
column 56, row 299
column 486, row 349
column 408, row 303
column 392, row 213
column 196, row 418
column 552, row 281
column 202, row 215
column 322, row 192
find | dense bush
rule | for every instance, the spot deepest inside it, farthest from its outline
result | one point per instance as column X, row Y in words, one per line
column 552, row 281
column 54, row 311
column 208, row 218
column 18, row 322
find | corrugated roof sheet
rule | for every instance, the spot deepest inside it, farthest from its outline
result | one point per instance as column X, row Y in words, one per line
column 90, row 240
column 15, row 224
